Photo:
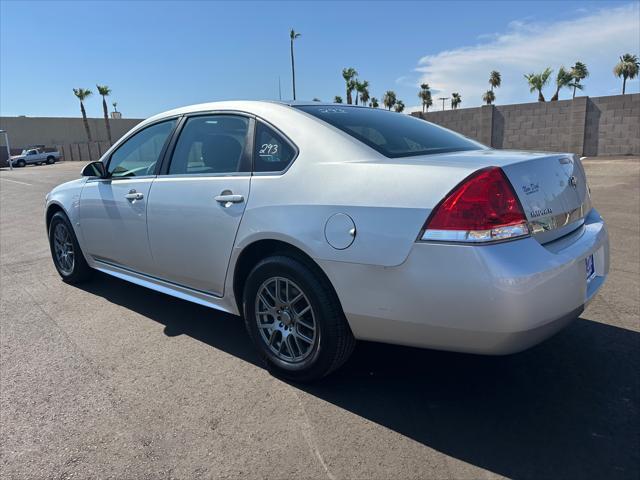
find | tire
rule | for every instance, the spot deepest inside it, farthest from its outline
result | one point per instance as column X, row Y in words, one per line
column 72, row 270
column 286, row 342
column 21, row 163
column 51, row 160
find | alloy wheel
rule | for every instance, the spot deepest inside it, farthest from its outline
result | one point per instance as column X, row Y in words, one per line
column 286, row 320
column 63, row 247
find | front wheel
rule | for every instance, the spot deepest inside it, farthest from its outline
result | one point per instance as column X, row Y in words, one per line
column 21, row 163
column 295, row 320
column 67, row 256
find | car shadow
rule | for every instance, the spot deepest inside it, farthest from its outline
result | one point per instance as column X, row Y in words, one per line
column 565, row 409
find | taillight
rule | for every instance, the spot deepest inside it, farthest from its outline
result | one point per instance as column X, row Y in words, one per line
column 482, row 208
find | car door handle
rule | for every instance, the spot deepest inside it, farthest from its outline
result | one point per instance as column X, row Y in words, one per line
column 227, row 200
column 133, row 195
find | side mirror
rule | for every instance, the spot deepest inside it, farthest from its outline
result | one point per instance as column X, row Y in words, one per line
column 94, row 169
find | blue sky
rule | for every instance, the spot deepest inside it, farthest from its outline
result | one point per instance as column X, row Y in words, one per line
column 160, row 55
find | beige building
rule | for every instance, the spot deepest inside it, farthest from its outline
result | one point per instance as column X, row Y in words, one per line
column 52, row 131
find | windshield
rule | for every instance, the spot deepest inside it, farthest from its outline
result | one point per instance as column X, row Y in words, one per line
column 390, row 133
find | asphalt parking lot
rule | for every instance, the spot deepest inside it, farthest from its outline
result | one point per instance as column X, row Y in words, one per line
column 110, row 380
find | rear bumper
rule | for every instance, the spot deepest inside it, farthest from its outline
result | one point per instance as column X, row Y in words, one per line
column 491, row 299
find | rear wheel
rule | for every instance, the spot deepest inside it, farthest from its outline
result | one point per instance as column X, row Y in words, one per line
column 51, row 160
column 295, row 320
column 67, row 256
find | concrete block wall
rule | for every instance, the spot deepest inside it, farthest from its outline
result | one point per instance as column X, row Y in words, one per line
column 82, row 151
column 467, row 124
column 586, row 126
column 529, row 126
column 613, row 125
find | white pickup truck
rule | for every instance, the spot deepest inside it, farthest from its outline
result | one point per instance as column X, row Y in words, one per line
column 34, row 156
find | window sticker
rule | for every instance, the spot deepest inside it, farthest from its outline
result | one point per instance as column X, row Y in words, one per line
column 268, row 150
column 331, row 110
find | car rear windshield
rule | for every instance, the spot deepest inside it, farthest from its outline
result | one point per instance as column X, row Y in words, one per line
column 392, row 134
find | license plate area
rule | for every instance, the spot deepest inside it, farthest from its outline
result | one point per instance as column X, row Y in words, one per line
column 590, row 267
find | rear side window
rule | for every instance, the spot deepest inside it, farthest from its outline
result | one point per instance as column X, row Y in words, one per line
column 390, row 133
column 272, row 152
column 210, row 145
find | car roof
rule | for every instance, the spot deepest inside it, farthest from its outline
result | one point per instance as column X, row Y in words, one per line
column 302, row 103
column 249, row 106
column 238, row 105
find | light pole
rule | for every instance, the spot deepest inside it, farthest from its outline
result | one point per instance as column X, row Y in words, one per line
column 6, row 141
column 443, row 100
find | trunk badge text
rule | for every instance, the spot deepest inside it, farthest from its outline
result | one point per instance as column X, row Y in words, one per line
column 540, row 213
column 530, row 188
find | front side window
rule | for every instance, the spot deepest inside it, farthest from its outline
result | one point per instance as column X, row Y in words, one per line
column 211, row 144
column 139, row 154
column 272, row 152
column 390, row 133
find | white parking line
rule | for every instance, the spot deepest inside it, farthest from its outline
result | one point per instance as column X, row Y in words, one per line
column 16, row 181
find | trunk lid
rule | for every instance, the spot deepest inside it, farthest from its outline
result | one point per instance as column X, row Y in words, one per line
column 553, row 192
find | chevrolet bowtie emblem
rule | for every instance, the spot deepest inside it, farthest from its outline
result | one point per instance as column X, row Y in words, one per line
column 573, row 182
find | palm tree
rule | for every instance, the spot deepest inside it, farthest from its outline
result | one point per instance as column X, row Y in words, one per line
column 389, row 99
column 456, row 100
column 337, row 99
column 495, row 80
column 488, row 97
column 627, row 67
column 563, row 79
column 357, row 87
column 364, row 97
column 537, row 81
column 293, row 35
column 579, row 72
column 351, row 86
column 374, row 103
column 348, row 74
column 363, row 90
column 115, row 106
column 105, row 92
column 83, row 93
column 425, row 95
column 429, row 100
column 399, row 106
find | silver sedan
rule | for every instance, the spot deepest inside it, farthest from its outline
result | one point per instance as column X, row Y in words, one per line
column 323, row 224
